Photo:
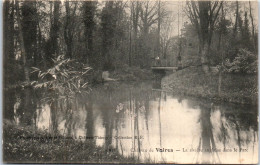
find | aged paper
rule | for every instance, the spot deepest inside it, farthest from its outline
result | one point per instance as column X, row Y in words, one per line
column 130, row 82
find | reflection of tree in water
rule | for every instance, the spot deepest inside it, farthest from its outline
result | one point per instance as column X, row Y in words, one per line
column 54, row 122
column 159, row 118
column 207, row 141
column 241, row 121
column 230, row 122
column 8, row 104
column 69, row 111
column 71, row 108
column 141, row 112
column 107, row 97
column 90, row 118
column 26, row 110
column 136, row 126
column 108, row 115
column 135, row 109
column 147, row 110
column 224, row 136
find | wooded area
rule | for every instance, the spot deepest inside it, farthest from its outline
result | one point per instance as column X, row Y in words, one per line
column 53, row 45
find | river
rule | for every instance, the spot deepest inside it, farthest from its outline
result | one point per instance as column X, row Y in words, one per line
column 143, row 121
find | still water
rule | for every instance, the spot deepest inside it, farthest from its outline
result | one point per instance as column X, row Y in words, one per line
column 152, row 125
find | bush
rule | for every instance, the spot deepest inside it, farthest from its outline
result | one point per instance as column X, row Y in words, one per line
column 244, row 62
column 65, row 80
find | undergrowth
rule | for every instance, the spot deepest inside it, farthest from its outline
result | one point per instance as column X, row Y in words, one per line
column 27, row 145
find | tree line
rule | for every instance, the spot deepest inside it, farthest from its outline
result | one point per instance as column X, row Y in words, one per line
column 223, row 30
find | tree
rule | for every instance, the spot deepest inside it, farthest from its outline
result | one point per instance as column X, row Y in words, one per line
column 89, row 9
column 51, row 46
column 113, row 25
column 151, row 12
column 245, row 33
column 203, row 15
column 253, row 26
column 29, row 27
column 108, row 24
column 9, row 59
column 68, row 27
column 236, row 21
column 135, row 10
column 27, row 102
column 159, row 27
column 166, row 26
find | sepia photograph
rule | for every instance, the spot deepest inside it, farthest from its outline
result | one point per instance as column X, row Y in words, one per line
column 130, row 81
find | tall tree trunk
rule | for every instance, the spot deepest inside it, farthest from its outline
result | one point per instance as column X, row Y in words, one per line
column 40, row 45
column 253, row 26
column 130, row 46
column 205, row 42
column 51, row 47
column 68, row 30
column 236, row 21
column 29, row 22
column 204, row 51
column 135, row 20
column 27, row 101
column 108, row 23
column 8, row 58
column 221, row 47
column 88, row 18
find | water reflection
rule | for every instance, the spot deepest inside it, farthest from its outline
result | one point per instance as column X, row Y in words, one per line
column 156, row 126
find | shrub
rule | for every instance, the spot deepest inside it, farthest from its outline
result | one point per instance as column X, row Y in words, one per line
column 65, row 80
column 244, row 62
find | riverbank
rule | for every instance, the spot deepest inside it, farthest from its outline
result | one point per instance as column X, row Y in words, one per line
column 124, row 73
column 132, row 74
column 25, row 144
column 235, row 88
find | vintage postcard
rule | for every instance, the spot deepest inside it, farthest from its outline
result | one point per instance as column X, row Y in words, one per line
column 147, row 81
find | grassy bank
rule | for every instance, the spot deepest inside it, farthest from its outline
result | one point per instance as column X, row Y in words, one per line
column 22, row 144
column 235, row 88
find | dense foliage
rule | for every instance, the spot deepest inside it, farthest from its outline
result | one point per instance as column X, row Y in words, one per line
column 244, row 62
